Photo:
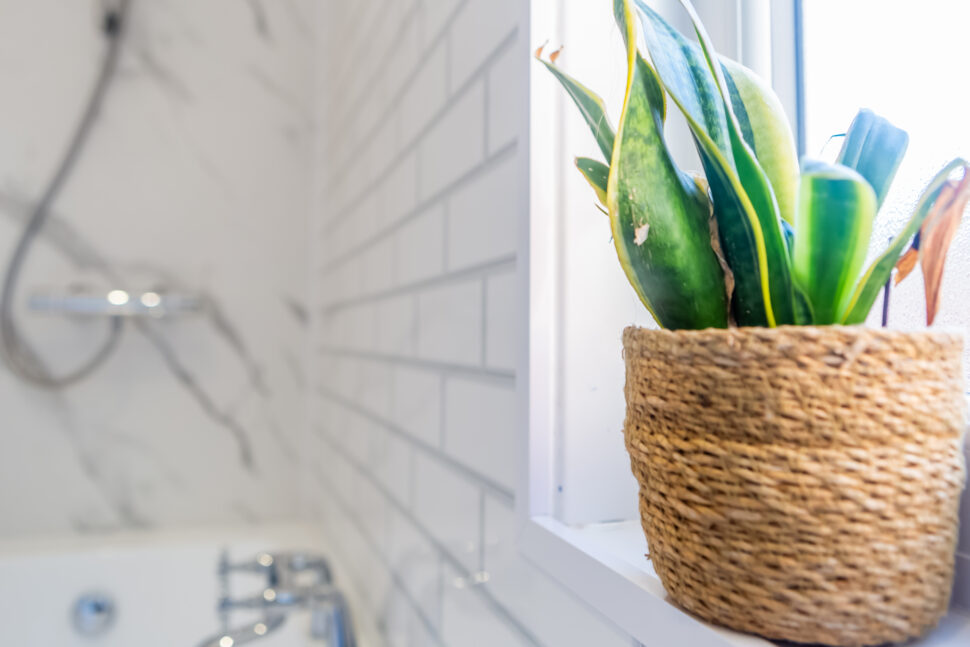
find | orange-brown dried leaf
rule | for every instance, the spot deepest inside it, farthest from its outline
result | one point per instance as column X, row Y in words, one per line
column 906, row 264
column 935, row 237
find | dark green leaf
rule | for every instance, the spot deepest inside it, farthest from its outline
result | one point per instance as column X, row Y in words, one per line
column 658, row 214
column 745, row 207
column 685, row 75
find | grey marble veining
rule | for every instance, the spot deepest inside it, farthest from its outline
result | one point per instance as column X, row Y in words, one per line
column 194, row 181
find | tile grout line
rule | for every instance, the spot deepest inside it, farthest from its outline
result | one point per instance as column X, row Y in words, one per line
column 419, row 205
column 405, row 512
column 481, row 530
column 412, row 476
column 362, row 28
column 342, row 73
column 352, row 573
column 442, row 458
column 416, row 140
column 484, row 321
column 485, row 594
column 422, row 58
column 449, row 67
column 499, row 265
column 415, row 336
column 504, row 154
column 486, row 100
column 445, row 236
column 482, row 373
column 374, row 549
column 440, row 586
column 394, row 100
column 394, row 44
column 442, row 414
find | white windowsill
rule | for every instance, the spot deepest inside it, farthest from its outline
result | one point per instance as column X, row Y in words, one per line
column 604, row 565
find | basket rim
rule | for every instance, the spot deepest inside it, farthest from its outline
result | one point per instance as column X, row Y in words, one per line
column 806, row 332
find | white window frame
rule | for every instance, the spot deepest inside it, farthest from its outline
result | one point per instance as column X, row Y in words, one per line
column 623, row 588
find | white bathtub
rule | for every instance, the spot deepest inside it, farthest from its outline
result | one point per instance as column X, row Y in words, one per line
column 164, row 586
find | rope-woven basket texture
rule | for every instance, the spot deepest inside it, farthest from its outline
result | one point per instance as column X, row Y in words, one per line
column 801, row 483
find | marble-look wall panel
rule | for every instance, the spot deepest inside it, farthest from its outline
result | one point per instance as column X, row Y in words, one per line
column 196, row 180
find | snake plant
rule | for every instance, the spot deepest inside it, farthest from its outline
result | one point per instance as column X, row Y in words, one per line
column 759, row 239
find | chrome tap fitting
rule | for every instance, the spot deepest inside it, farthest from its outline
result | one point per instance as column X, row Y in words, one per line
column 293, row 581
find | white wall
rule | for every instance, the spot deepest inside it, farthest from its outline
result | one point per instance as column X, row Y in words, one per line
column 418, row 205
column 196, row 178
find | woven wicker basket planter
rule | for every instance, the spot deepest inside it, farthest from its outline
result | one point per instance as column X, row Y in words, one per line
column 800, row 483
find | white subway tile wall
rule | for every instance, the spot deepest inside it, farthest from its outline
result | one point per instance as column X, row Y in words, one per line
column 413, row 464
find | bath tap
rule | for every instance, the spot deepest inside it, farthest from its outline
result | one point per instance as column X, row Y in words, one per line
column 293, row 581
column 280, row 569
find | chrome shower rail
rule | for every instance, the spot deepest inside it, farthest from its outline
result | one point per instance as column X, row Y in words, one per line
column 117, row 303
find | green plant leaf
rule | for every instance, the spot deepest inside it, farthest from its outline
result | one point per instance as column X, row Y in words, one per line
column 596, row 173
column 685, row 75
column 766, row 130
column 658, row 214
column 757, row 185
column 590, row 105
column 769, row 238
column 833, row 221
column 881, row 269
column 745, row 207
column 803, row 308
column 789, row 232
column 875, row 148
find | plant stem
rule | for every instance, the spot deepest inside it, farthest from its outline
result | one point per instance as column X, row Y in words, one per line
column 885, row 302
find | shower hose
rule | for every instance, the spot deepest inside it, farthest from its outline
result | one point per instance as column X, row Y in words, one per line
column 18, row 354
